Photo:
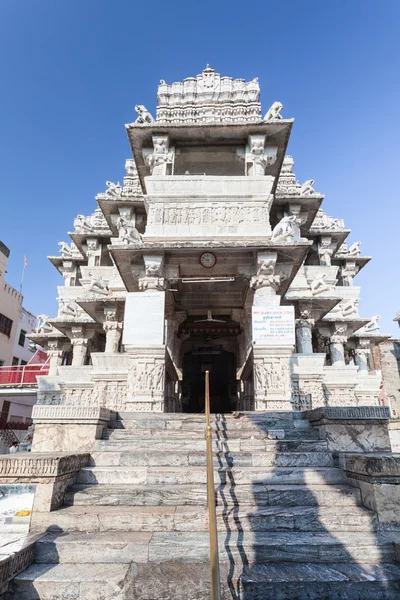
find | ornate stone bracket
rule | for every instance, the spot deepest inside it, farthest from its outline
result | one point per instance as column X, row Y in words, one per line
column 258, row 156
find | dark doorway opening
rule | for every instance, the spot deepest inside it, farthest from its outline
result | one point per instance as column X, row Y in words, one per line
column 223, row 385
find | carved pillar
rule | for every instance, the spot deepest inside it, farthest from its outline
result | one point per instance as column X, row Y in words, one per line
column 363, row 352
column 55, row 352
column 336, row 345
column 304, row 327
column 93, row 252
column 145, row 343
column 325, row 251
column 348, row 272
column 79, row 346
column 112, row 328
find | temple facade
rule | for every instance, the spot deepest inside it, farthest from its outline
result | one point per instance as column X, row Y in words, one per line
column 209, row 256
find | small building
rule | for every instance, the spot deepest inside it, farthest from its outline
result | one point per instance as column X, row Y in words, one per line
column 10, row 308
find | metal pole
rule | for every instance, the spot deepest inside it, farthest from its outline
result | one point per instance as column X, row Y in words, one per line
column 212, row 517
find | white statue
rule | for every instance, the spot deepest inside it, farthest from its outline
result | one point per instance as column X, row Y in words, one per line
column 274, row 112
column 372, row 325
column 319, row 285
column 287, row 230
column 69, row 308
column 144, row 115
column 152, row 268
column 350, row 307
column 354, row 249
column 114, row 189
column 97, row 285
column 82, row 223
column 43, row 324
column 307, row 187
column 127, row 231
column 65, row 249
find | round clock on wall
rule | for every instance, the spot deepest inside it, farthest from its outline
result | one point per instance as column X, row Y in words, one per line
column 208, row 260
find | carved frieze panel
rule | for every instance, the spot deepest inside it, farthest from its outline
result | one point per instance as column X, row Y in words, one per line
column 208, row 218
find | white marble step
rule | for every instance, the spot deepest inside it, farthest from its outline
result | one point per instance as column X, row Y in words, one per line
column 227, row 496
column 199, row 425
column 199, row 445
column 222, row 476
column 257, row 546
column 195, row 518
column 182, row 581
column 232, row 434
column 154, row 458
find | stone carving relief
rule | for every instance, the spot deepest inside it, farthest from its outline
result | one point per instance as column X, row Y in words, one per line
column 287, row 230
column 43, row 326
column 127, row 232
column 161, row 155
column 114, row 189
column 325, row 252
column 143, row 114
column 97, row 285
column 68, row 251
column 89, row 224
column 307, row 395
column 271, row 377
column 354, row 249
column 323, row 221
column 274, row 112
column 68, row 308
column 148, row 377
column 370, row 327
column 346, row 309
column 339, row 396
column 258, row 157
column 110, row 394
column 216, row 214
column 306, row 188
column 265, row 275
column 319, row 285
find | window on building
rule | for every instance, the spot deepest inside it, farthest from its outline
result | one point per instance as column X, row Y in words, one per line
column 2, row 362
column 5, row 325
column 22, row 336
column 15, row 361
column 23, row 362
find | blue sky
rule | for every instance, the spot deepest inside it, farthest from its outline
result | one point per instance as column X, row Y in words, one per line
column 71, row 73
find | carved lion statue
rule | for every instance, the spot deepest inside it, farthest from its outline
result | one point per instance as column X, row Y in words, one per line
column 274, row 112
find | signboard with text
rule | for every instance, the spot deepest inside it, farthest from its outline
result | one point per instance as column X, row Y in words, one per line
column 273, row 325
column 144, row 318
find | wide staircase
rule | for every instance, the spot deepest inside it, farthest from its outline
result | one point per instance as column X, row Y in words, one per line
column 135, row 525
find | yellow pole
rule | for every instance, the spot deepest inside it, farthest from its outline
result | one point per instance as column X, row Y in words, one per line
column 212, row 516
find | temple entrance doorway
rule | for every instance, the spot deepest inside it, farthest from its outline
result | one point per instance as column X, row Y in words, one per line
column 223, row 385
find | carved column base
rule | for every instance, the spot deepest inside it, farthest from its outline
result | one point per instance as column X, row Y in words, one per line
column 307, row 380
column 146, row 379
column 339, row 386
